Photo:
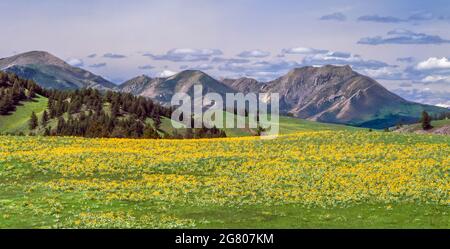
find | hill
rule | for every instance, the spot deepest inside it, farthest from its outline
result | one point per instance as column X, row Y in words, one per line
column 162, row 89
column 137, row 85
column 26, row 108
column 440, row 127
column 51, row 72
column 17, row 122
column 337, row 94
column 287, row 125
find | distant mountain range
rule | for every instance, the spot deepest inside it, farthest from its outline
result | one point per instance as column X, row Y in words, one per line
column 333, row 94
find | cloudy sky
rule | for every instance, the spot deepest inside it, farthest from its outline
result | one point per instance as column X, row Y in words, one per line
column 405, row 45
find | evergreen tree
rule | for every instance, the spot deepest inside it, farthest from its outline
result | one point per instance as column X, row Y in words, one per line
column 44, row 118
column 33, row 123
column 149, row 132
column 426, row 121
column 60, row 126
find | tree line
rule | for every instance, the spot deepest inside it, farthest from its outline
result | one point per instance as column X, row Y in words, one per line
column 13, row 90
column 91, row 113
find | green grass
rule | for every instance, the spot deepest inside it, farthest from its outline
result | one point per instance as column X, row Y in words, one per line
column 291, row 216
column 435, row 123
column 287, row 125
column 20, row 211
column 18, row 121
column 292, row 125
column 440, row 123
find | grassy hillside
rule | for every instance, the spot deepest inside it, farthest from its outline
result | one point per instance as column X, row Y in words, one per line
column 291, row 125
column 440, row 123
column 18, row 121
column 417, row 128
column 434, row 123
column 287, row 125
column 399, row 114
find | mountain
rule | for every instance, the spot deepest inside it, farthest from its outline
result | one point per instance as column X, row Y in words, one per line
column 244, row 85
column 332, row 94
column 51, row 72
column 162, row 89
column 337, row 94
column 136, row 85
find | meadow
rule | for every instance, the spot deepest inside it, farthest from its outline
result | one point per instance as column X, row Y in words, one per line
column 313, row 179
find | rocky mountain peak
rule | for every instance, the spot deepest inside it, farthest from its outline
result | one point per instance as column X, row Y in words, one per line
column 32, row 57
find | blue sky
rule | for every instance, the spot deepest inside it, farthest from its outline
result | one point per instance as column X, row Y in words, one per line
column 405, row 45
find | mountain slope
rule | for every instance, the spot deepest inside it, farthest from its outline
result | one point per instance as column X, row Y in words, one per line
column 51, row 72
column 136, row 85
column 244, row 85
column 17, row 122
column 337, row 94
column 162, row 89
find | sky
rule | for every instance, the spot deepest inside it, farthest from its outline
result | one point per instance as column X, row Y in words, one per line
column 403, row 44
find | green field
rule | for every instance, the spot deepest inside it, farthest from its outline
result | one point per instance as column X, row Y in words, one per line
column 313, row 179
column 287, row 125
column 314, row 175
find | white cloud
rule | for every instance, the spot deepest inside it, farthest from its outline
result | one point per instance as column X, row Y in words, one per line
column 260, row 70
column 385, row 73
column 337, row 16
column 303, row 50
column 433, row 63
column 436, row 79
column 425, row 96
column 204, row 67
column 186, row 54
column 342, row 58
column 254, row 54
column 167, row 73
column 445, row 105
column 75, row 62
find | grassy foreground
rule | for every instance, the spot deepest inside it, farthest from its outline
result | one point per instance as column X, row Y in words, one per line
column 324, row 179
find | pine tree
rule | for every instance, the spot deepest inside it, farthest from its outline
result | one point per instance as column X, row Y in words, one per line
column 426, row 121
column 33, row 121
column 157, row 123
column 60, row 126
column 44, row 119
column 149, row 132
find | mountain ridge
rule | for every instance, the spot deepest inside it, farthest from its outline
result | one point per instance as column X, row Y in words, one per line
column 331, row 94
column 162, row 89
column 337, row 94
column 51, row 72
